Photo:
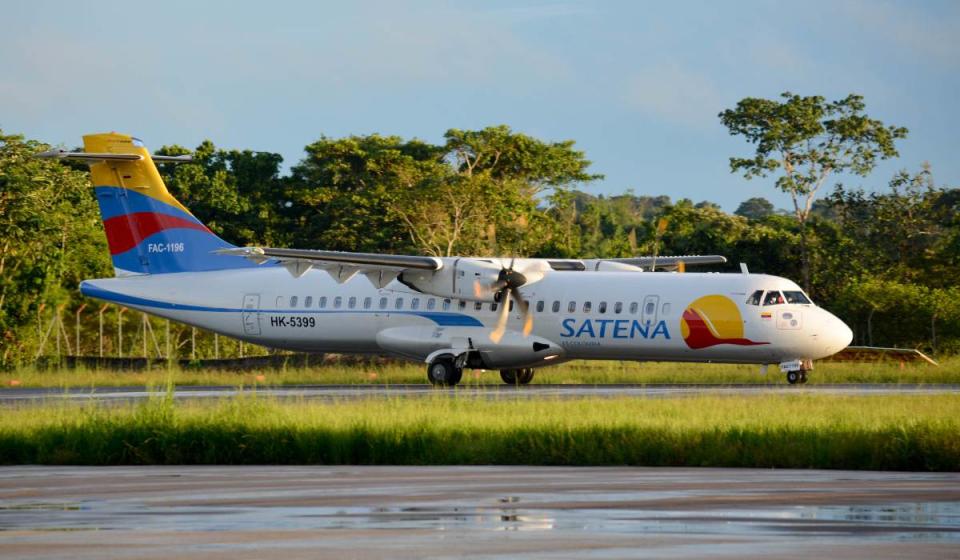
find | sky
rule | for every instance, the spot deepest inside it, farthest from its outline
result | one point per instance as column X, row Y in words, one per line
column 638, row 85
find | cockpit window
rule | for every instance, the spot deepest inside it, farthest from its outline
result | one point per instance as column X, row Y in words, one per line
column 773, row 298
column 755, row 298
column 796, row 297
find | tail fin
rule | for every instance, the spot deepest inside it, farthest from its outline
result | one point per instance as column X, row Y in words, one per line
column 148, row 230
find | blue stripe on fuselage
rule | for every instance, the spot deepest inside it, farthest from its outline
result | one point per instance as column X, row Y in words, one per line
column 440, row 318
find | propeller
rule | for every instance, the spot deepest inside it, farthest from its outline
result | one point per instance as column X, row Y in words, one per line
column 505, row 288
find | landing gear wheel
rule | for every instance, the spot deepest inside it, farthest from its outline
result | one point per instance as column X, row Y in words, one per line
column 516, row 376
column 442, row 372
column 794, row 377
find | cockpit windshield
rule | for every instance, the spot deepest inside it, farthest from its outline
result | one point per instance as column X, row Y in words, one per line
column 796, row 297
column 773, row 297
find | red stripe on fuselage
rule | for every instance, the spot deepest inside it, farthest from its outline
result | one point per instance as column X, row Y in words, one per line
column 700, row 335
column 126, row 231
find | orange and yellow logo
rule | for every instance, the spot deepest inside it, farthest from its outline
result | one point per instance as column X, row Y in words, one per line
column 713, row 320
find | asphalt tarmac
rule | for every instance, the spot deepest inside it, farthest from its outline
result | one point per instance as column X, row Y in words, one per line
column 345, row 392
column 477, row 512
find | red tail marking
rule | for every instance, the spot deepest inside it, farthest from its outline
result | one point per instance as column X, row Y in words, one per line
column 126, row 231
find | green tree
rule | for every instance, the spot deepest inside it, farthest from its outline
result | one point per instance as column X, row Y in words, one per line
column 755, row 208
column 804, row 140
column 50, row 239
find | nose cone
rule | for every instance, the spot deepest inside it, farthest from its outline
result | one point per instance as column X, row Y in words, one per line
column 836, row 334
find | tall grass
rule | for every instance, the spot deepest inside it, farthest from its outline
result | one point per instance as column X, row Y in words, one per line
column 571, row 373
column 797, row 431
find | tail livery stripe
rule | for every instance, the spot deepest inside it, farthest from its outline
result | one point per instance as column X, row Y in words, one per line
column 127, row 231
column 148, row 230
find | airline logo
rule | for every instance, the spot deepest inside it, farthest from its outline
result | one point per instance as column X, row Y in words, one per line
column 713, row 320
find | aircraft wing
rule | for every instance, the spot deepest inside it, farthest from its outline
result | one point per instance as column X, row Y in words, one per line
column 876, row 354
column 671, row 262
column 381, row 269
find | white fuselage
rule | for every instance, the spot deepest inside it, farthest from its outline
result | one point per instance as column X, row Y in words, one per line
column 631, row 316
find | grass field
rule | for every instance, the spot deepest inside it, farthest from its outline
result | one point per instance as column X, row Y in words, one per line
column 795, row 431
column 574, row 372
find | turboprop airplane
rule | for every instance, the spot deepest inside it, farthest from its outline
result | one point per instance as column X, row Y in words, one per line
column 512, row 315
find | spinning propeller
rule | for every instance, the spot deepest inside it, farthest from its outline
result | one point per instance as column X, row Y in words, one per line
column 505, row 287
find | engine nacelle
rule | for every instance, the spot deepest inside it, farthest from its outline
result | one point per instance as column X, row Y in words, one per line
column 457, row 279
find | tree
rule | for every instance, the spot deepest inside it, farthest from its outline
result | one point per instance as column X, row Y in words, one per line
column 805, row 140
column 755, row 208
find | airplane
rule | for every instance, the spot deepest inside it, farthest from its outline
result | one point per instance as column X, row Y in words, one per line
column 514, row 315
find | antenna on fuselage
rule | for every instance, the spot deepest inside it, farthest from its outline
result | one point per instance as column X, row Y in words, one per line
column 743, row 268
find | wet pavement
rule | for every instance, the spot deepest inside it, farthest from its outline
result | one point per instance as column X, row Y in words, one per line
column 478, row 512
column 344, row 392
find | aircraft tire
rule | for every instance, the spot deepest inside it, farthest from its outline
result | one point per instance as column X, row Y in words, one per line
column 803, row 377
column 443, row 373
column 793, row 377
column 509, row 376
column 525, row 376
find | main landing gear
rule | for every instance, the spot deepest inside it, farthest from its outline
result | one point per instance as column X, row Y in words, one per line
column 516, row 376
column 444, row 371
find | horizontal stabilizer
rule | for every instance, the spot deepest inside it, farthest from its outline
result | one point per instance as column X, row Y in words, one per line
column 90, row 157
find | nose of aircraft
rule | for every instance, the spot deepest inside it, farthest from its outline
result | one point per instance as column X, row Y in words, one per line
column 836, row 335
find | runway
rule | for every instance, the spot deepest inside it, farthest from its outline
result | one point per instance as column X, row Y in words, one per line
column 348, row 392
column 482, row 512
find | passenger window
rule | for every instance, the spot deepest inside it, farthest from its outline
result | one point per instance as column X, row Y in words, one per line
column 511, row 305
column 587, row 306
column 323, row 302
column 337, row 302
column 773, row 298
column 540, row 306
column 602, row 308
column 633, row 307
column 415, row 303
column 571, row 307
column 796, row 297
column 399, row 303
column 293, row 301
column 446, row 304
column 478, row 306
column 651, row 307
column 383, row 303
column 618, row 307
column 665, row 309
column 431, row 303
column 367, row 302
column 755, row 298
column 556, row 307
column 352, row 302
column 493, row 306
column 308, row 301
column 462, row 305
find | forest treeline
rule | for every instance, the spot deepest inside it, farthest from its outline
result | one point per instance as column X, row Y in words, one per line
column 885, row 260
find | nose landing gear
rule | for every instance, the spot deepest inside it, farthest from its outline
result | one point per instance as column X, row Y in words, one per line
column 794, row 377
column 796, row 370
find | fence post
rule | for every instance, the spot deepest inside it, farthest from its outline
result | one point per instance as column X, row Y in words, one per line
column 193, row 343
column 143, row 323
column 100, row 314
column 216, row 346
column 79, row 310
column 120, row 311
column 166, row 339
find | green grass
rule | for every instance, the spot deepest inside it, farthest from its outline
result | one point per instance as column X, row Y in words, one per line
column 571, row 373
column 917, row 432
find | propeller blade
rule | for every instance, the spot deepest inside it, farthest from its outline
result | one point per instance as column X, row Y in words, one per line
column 527, row 315
column 501, row 327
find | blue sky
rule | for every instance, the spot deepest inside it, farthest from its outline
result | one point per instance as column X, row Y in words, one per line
column 638, row 85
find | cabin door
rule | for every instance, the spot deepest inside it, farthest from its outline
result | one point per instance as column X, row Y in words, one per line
column 649, row 312
column 251, row 314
